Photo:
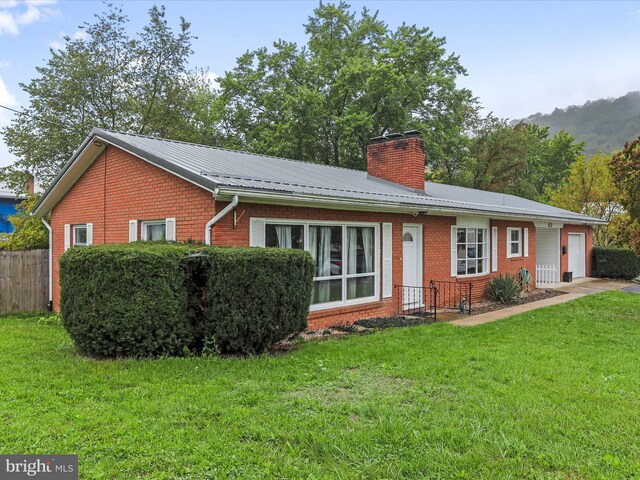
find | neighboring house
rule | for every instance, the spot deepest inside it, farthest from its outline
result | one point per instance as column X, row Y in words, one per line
column 368, row 231
column 8, row 202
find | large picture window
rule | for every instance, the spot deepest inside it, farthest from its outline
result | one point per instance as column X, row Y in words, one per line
column 472, row 251
column 345, row 257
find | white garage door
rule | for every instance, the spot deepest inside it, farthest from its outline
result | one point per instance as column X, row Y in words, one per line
column 577, row 254
column 547, row 255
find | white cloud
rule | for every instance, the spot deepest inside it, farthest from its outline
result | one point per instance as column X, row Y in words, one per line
column 8, row 100
column 213, row 78
column 80, row 35
column 59, row 43
column 13, row 15
column 8, row 24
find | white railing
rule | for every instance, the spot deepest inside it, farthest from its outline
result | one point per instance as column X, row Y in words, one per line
column 546, row 275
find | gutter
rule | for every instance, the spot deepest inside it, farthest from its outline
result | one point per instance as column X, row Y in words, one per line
column 396, row 207
column 218, row 217
column 50, row 303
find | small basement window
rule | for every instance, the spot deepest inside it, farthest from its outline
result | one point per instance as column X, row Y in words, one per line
column 80, row 236
column 154, row 230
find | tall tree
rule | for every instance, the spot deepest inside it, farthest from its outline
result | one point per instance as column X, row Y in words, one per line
column 589, row 189
column 625, row 166
column 109, row 80
column 354, row 79
column 521, row 160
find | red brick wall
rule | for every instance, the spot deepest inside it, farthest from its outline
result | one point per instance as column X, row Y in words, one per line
column 119, row 187
column 436, row 251
column 400, row 161
column 564, row 240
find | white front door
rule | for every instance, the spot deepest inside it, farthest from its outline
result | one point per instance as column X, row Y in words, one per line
column 412, row 267
column 577, row 254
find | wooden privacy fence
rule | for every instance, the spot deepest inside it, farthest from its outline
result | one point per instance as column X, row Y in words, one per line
column 24, row 281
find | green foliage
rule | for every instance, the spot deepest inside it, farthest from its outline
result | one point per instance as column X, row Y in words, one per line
column 625, row 232
column 521, row 398
column 49, row 319
column 603, row 125
column 122, row 300
column 256, row 297
column 625, row 166
column 355, row 78
column 152, row 299
column 589, row 189
column 615, row 262
column 520, row 160
column 504, row 289
column 29, row 233
column 109, row 80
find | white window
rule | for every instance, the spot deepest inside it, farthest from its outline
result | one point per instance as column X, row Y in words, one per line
column 514, row 242
column 80, row 238
column 345, row 255
column 284, row 236
column 154, row 230
column 472, row 251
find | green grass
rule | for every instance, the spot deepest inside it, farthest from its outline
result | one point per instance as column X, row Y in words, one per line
column 553, row 393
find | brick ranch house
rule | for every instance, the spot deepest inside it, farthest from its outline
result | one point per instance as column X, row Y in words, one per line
column 369, row 232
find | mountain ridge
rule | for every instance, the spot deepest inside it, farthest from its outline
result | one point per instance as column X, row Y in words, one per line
column 604, row 124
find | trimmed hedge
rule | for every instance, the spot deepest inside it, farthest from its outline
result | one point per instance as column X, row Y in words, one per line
column 256, row 296
column 126, row 300
column 153, row 299
column 613, row 262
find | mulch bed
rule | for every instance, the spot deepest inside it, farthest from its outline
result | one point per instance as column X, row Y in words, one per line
column 390, row 322
column 533, row 296
column 371, row 324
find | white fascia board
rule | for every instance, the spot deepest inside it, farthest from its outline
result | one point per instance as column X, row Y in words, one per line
column 316, row 201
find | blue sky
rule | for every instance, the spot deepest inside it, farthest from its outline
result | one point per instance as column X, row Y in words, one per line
column 522, row 57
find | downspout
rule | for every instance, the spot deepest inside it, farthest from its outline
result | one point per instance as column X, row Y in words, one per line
column 50, row 303
column 217, row 218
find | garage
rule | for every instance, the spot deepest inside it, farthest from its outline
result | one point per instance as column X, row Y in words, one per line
column 547, row 256
column 577, row 255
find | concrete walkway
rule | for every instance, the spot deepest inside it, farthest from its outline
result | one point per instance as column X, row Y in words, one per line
column 576, row 289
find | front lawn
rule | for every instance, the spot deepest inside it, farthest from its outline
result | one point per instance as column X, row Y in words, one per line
column 553, row 393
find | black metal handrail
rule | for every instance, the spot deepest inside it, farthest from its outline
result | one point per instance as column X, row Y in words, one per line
column 454, row 295
column 417, row 301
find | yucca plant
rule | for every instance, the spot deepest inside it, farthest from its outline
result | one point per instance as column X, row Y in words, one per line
column 504, row 289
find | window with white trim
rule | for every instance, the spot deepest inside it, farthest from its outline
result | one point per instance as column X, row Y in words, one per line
column 80, row 238
column 514, row 242
column 284, row 236
column 345, row 256
column 472, row 252
column 154, row 230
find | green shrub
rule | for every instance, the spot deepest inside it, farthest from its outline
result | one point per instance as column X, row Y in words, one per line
column 256, row 297
column 151, row 299
column 504, row 289
column 611, row 262
column 126, row 300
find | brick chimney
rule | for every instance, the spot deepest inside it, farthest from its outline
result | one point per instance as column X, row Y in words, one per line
column 398, row 158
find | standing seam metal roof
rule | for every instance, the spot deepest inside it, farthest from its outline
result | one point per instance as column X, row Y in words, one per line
column 233, row 169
